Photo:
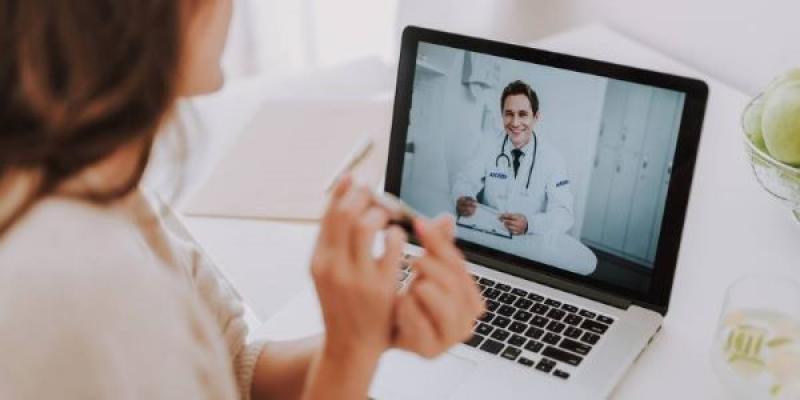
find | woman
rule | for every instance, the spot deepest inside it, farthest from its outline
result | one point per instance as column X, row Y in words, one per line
column 98, row 299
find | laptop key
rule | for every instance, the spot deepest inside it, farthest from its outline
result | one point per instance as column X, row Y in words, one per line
column 486, row 317
column 605, row 320
column 522, row 316
column 507, row 298
column 560, row 374
column 517, row 327
column 491, row 293
column 551, row 302
column 556, row 314
column 587, row 314
column 501, row 321
column 569, row 308
column 491, row 346
column 506, row 310
column 525, row 361
column 539, row 308
column 534, row 332
column 551, row 338
column 589, row 337
column 500, row 334
column 572, row 332
column 511, row 353
column 503, row 287
column 487, row 282
column 519, row 292
column 575, row 347
column 534, row 346
column 492, row 305
column 593, row 326
column 555, row 326
column 474, row 341
column 573, row 319
column 523, row 303
column 535, row 297
column 561, row 355
column 516, row 340
column 539, row 321
column 483, row 329
column 545, row 365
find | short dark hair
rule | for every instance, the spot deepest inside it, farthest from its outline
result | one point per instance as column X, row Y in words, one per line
column 520, row 87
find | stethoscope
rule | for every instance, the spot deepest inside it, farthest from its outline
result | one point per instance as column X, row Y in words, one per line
column 508, row 159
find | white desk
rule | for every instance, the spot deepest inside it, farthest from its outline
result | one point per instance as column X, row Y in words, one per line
column 732, row 228
column 553, row 249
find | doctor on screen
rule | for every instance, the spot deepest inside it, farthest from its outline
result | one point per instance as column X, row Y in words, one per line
column 518, row 173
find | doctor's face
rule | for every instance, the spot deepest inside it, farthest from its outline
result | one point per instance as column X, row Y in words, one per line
column 519, row 119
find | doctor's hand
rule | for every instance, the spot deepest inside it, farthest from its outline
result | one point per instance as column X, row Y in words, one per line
column 465, row 206
column 517, row 224
column 441, row 303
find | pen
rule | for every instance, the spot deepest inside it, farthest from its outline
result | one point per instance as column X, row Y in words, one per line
column 400, row 213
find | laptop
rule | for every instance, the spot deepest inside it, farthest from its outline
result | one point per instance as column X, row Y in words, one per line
column 603, row 182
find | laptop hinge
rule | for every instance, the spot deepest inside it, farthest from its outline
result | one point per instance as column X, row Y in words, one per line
column 552, row 281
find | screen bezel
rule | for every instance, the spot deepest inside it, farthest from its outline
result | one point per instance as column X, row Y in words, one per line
column 696, row 97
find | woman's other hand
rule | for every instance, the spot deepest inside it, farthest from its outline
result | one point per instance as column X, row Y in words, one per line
column 439, row 307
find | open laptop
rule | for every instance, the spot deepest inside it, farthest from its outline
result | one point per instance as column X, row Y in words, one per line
column 574, row 299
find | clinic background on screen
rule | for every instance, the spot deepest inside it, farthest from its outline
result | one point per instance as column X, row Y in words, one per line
column 616, row 138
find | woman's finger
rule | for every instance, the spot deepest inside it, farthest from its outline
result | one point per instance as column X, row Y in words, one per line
column 437, row 239
column 343, row 211
column 414, row 329
column 394, row 241
column 364, row 231
column 450, row 326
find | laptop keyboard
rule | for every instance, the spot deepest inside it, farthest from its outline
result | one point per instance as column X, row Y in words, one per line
column 521, row 326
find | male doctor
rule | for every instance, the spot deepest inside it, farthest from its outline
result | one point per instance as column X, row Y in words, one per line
column 518, row 173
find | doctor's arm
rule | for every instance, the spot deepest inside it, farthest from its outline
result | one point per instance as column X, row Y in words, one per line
column 467, row 183
column 558, row 216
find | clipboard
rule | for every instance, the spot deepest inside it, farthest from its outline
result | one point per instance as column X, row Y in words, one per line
column 484, row 220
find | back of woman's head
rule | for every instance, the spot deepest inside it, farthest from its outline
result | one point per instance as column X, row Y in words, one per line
column 80, row 79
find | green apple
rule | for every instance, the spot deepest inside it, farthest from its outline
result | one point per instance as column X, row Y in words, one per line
column 780, row 123
column 788, row 76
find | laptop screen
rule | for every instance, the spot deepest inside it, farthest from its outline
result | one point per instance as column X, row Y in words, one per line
column 565, row 168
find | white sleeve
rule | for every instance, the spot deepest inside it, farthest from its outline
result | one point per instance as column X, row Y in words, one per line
column 469, row 179
column 558, row 214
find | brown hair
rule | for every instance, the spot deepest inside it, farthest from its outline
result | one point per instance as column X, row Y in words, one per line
column 80, row 80
column 520, row 87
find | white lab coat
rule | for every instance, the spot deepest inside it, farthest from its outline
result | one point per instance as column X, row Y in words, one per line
column 547, row 203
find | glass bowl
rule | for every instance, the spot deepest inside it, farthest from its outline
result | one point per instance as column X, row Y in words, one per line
column 780, row 180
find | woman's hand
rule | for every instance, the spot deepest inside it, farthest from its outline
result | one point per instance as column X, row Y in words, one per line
column 356, row 291
column 438, row 309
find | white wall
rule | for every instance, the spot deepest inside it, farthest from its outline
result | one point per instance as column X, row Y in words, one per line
column 743, row 43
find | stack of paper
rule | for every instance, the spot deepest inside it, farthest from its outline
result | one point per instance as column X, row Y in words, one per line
column 281, row 164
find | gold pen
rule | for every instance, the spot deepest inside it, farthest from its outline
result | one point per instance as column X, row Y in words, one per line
column 400, row 213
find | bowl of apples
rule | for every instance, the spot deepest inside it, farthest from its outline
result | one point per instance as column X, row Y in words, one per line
column 771, row 125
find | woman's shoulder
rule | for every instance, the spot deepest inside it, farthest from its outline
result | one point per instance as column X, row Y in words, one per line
column 64, row 247
column 74, row 275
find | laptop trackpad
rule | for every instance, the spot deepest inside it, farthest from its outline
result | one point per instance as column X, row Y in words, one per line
column 402, row 375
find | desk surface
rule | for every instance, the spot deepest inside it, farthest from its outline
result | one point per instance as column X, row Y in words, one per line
column 733, row 228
